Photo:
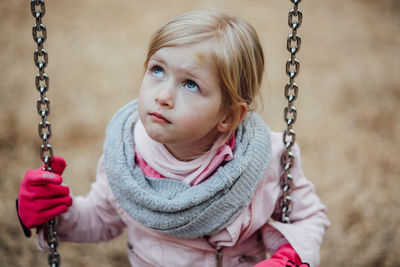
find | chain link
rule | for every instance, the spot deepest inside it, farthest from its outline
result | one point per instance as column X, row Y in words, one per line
column 40, row 58
column 295, row 19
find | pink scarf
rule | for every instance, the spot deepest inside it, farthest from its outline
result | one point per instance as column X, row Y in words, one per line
column 157, row 162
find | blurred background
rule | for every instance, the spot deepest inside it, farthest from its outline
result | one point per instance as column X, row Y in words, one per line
column 347, row 127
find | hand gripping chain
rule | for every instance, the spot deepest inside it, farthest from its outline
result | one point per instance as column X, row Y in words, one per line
column 40, row 58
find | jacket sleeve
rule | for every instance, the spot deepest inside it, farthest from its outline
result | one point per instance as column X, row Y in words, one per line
column 92, row 218
column 308, row 218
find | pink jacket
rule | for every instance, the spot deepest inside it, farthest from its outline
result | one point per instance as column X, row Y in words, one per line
column 99, row 217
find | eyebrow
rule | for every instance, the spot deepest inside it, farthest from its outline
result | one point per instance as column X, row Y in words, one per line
column 157, row 58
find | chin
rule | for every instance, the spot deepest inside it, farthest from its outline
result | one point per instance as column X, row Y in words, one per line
column 157, row 136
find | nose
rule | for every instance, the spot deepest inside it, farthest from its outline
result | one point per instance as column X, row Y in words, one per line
column 165, row 97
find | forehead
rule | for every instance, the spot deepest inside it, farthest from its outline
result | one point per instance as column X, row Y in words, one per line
column 196, row 55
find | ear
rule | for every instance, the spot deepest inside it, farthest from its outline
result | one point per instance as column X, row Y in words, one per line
column 243, row 111
column 230, row 119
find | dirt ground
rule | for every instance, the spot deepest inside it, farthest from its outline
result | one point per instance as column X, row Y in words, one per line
column 347, row 128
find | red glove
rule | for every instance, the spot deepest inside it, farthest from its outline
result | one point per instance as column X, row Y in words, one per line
column 41, row 196
column 285, row 255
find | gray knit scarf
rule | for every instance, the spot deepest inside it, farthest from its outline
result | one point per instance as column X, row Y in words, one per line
column 173, row 207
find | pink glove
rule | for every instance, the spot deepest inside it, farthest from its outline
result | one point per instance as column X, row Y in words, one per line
column 284, row 256
column 41, row 196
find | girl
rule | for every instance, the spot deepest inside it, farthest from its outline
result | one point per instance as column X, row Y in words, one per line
column 186, row 168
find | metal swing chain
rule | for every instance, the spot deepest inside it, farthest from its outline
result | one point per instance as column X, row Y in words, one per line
column 295, row 19
column 40, row 58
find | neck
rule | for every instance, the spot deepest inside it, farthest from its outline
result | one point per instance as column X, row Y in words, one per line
column 193, row 150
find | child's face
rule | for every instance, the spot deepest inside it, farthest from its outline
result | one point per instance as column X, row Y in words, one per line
column 180, row 100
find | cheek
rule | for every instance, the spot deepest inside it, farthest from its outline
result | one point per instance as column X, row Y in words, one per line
column 197, row 121
column 143, row 101
column 145, row 93
column 141, row 110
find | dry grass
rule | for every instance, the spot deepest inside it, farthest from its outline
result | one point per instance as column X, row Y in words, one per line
column 347, row 128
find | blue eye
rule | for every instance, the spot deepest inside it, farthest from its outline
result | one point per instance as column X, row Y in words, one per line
column 192, row 86
column 157, row 71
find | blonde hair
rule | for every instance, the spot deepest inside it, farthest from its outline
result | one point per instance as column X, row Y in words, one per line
column 235, row 50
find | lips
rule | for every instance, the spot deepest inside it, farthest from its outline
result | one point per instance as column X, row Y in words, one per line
column 157, row 117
